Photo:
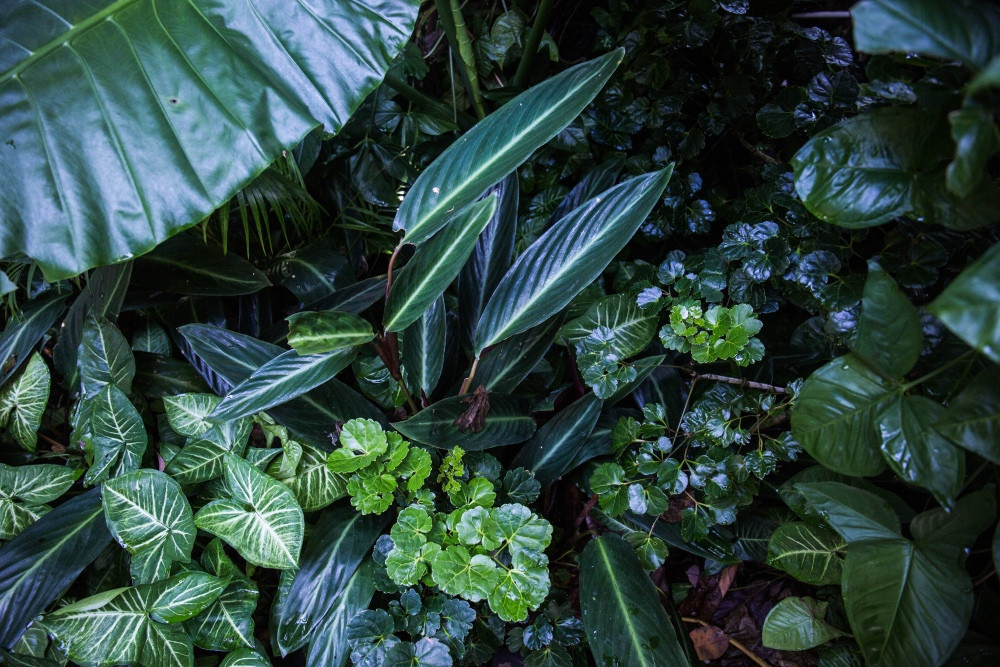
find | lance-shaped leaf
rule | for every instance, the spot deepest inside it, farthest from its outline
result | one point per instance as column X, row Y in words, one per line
column 133, row 122
column 497, row 145
column 354, row 298
column 490, row 259
column 117, row 437
column 633, row 328
column 435, row 265
column 23, row 401
column 796, row 624
column 23, row 331
column 260, row 519
column 508, row 422
column 422, row 348
column 503, row 367
column 137, row 626
column 554, row 448
column 24, row 492
column 835, row 416
column 889, row 331
column 325, row 331
column 315, row 486
column 341, row 539
column 149, row 515
column 970, row 305
column 567, row 258
column 187, row 265
column 38, row 565
column 105, row 357
column 285, row 377
column 809, row 553
column 328, row 645
column 622, row 613
column 226, row 623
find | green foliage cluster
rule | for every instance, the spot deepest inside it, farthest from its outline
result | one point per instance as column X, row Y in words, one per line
column 463, row 351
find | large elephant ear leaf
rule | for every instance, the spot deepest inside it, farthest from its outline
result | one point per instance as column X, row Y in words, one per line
column 498, row 145
column 567, row 258
column 125, row 124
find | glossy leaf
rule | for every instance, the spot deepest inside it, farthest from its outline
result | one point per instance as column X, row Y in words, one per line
column 622, row 614
column 835, row 416
column 177, row 116
column 508, row 422
column 40, row 563
column 313, row 272
column 23, row 401
column 556, row 445
column 281, row 379
column 188, row 413
column 490, row 259
column 151, row 337
column 976, row 140
column 970, row 305
column 497, row 145
column 260, row 519
column 227, row 623
column 105, row 357
column 889, row 332
column 313, row 332
column 245, row 657
column 857, row 515
column 23, row 331
column 633, row 329
column 24, row 492
column 328, row 645
column 918, row 453
column 809, row 553
column 136, row 625
column 972, row 421
column 965, row 31
column 504, row 366
column 203, row 457
column 354, row 298
column 568, row 257
column 796, row 624
column 187, row 265
column 149, row 515
column 423, row 347
column 336, row 546
column 434, row 265
column 117, row 437
column 313, row 484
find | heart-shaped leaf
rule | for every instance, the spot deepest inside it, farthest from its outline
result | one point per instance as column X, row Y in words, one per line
column 226, row 623
column 809, row 553
column 23, row 401
column 315, row 486
column 633, row 328
column 796, row 624
column 435, row 265
column 260, row 519
column 972, row 421
column 24, row 492
column 116, row 437
column 497, row 145
column 567, row 258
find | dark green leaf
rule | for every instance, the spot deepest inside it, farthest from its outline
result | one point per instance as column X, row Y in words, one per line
column 508, row 422
column 226, row 623
column 889, row 332
column 328, row 645
column 40, row 563
column 313, row 272
column 633, row 329
column 354, row 298
column 435, row 264
column 497, row 145
column 162, row 118
column 336, row 546
column 556, row 446
column 313, row 332
column 965, row 31
column 503, row 367
column 567, row 258
column 187, row 265
column 970, row 305
column 812, row 554
column 835, row 416
column 423, row 349
column 976, row 139
column 857, row 515
column 972, row 421
column 916, row 452
column 23, row 331
column 625, row 622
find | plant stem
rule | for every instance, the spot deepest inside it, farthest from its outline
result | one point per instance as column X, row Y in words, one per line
column 388, row 273
column 740, row 381
column 468, row 381
column 425, row 102
column 531, row 43
column 454, row 25
column 937, row 371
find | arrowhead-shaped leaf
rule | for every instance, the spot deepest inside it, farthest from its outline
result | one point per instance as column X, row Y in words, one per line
column 889, row 331
column 23, row 401
column 809, row 553
column 260, row 519
column 972, row 421
column 24, row 490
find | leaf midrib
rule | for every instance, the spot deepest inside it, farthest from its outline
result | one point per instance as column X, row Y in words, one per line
column 624, row 615
column 65, row 38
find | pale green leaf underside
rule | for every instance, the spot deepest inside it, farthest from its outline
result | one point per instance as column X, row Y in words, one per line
column 179, row 104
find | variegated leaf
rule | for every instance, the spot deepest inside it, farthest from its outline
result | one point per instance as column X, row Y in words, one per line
column 227, row 623
column 148, row 513
column 188, row 413
column 105, row 357
column 201, row 458
column 261, row 520
column 24, row 490
column 117, row 437
column 620, row 313
column 23, row 401
column 313, row 484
